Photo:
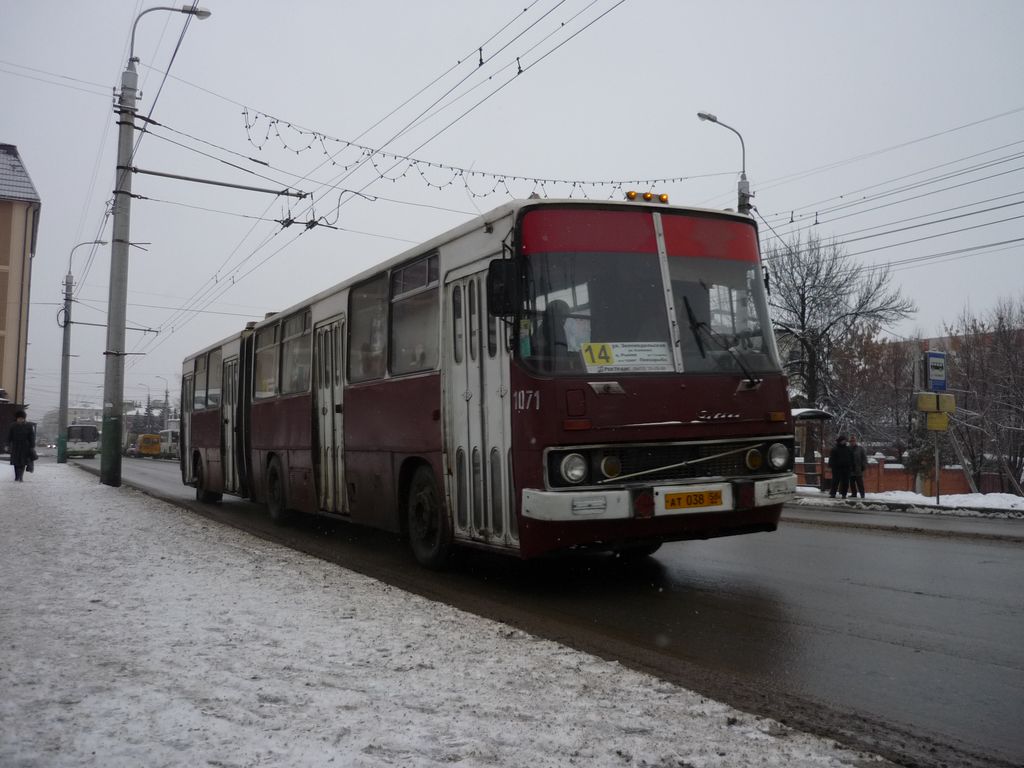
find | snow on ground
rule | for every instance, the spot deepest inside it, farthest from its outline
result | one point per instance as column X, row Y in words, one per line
column 137, row 633
column 1000, row 505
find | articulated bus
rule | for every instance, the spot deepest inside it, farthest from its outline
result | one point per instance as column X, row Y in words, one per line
column 552, row 375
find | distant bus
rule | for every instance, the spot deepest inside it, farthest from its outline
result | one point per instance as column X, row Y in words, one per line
column 83, row 440
column 148, row 445
column 169, row 443
column 552, row 375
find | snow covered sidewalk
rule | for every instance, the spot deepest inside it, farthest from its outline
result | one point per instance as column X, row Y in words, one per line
column 135, row 633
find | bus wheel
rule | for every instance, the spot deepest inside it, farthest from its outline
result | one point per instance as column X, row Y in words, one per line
column 203, row 495
column 275, row 493
column 429, row 529
column 637, row 551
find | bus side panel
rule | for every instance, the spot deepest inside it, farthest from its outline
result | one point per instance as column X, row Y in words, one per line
column 385, row 423
column 283, row 427
column 206, row 440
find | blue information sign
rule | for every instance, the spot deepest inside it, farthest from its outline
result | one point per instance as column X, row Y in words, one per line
column 935, row 364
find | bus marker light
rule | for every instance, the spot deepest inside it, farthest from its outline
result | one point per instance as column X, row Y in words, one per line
column 631, row 195
column 648, row 196
column 575, row 424
column 776, row 416
column 663, row 198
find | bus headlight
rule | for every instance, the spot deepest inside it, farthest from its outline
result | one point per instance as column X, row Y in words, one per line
column 611, row 466
column 754, row 459
column 574, row 468
column 778, row 455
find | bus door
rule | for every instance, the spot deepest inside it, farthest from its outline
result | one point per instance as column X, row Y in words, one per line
column 185, row 429
column 327, row 368
column 478, row 423
column 229, row 434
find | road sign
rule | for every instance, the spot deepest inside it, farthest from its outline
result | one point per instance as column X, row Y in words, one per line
column 935, row 367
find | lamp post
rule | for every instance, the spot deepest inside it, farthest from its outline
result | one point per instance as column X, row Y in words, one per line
column 65, row 360
column 743, row 204
column 167, row 397
column 113, row 376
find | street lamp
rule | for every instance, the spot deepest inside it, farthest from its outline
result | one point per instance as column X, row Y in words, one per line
column 113, row 377
column 65, row 360
column 167, row 397
column 743, row 205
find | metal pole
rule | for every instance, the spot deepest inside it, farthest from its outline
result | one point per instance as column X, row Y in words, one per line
column 113, row 379
column 938, row 469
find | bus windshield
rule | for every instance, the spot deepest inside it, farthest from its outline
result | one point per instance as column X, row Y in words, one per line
column 595, row 300
column 83, row 433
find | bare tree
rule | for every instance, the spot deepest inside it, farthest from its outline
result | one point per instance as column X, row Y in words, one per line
column 819, row 298
column 987, row 370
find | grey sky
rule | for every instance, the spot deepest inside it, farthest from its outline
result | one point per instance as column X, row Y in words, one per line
column 818, row 90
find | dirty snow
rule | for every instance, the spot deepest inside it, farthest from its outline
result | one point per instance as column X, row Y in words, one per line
column 1001, row 505
column 136, row 633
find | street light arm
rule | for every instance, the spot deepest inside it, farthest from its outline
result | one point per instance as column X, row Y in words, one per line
column 87, row 242
column 199, row 13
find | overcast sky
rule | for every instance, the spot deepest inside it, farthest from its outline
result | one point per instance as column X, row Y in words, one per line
column 868, row 117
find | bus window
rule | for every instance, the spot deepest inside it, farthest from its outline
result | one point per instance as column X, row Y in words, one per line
column 295, row 353
column 265, row 376
column 199, row 391
column 213, row 376
column 414, row 317
column 367, row 338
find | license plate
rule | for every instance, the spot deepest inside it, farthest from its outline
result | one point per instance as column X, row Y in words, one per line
column 693, row 500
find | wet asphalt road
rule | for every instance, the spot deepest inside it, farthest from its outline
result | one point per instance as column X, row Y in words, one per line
column 909, row 645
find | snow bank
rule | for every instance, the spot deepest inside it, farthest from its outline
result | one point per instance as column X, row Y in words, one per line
column 1003, row 505
column 136, row 633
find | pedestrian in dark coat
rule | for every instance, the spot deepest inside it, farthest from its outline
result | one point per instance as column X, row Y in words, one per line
column 21, row 439
column 840, row 460
column 859, row 463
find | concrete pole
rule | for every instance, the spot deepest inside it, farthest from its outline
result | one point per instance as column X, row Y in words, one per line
column 65, row 375
column 113, row 379
column 65, row 360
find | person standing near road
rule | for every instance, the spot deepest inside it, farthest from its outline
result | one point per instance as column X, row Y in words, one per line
column 839, row 462
column 21, row 440
column 859, row 463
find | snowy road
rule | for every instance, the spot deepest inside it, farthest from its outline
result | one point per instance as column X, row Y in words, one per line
column 895, row 640
column 136, row 633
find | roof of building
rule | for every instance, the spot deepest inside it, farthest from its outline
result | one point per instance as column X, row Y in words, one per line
column 15, row 183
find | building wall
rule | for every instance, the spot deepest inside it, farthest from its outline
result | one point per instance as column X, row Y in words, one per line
column 18, row 221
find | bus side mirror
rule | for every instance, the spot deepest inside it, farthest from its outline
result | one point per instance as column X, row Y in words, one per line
column 501, row 281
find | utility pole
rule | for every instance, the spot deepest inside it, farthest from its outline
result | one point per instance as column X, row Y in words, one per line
column 113, row 376
column 65, row 361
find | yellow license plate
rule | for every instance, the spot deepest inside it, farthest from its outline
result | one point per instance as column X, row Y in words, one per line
column 693, row 500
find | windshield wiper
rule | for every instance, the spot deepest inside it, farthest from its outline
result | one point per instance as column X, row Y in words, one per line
column 699, row 325
column 695, row 326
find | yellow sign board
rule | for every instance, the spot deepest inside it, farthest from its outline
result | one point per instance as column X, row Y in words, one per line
column 936, row 402
column 938, row 422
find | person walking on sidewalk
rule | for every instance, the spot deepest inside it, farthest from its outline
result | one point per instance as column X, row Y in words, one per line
column 21, row 438
column 859, row 463
column 839, row 462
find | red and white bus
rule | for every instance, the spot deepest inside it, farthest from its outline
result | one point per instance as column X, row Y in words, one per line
column 551, row 375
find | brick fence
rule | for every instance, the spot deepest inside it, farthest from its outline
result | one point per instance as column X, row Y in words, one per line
column 883, row 476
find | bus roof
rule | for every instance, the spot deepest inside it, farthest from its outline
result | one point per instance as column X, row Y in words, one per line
column 491, row 218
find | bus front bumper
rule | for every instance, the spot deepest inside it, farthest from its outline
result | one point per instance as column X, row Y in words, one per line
column 658, row 501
